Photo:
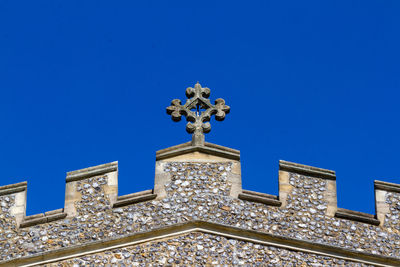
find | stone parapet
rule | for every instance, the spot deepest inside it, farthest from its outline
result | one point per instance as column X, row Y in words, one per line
column 203, row 191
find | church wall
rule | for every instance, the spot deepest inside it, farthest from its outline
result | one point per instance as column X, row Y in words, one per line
column 305, row 211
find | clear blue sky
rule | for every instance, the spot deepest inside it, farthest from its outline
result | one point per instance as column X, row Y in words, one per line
column 87, row 82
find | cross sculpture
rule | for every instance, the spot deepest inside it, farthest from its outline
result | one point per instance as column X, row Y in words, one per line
column 198, row 111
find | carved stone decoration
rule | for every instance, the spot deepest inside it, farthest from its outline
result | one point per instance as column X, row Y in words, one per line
column 198, row 111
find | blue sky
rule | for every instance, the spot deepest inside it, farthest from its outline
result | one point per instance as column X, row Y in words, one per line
column 87, row 82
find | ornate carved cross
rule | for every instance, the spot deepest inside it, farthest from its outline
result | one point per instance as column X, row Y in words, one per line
column 198, row 111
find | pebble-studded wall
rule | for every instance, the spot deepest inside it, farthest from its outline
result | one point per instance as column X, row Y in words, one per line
column 198, row 249
column 200, row 191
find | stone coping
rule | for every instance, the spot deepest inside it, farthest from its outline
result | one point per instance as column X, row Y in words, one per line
column 391, row 187
column 267, row 199
column 47, row 213
column 356, row 216
column 306, row 170
column 136, row 194
column 208, row 148
column 205, row 227
column 249, row 192
column 40, row 218
column 13, row 188
column 91, row 171
column 134, row 198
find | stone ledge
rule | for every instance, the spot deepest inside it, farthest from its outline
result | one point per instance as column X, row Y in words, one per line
column 132, row 195
column 249, row 192
column 208, row 148
column 54, row 217
column 306, row 170
column 205, row 227
column 391, row 187
column 52, row 212
column 356, row 216
column 91, row 171
column 35, row 216
column 260, row 198
column 13, row 188
column 134, row 198
column 40, row 218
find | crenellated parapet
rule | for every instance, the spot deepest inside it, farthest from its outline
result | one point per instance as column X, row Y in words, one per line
column 199, row 188
column 313, row 189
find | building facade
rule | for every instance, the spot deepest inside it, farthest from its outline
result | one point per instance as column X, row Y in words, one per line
column 198, row 214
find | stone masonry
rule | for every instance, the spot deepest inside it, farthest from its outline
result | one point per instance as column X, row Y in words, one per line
column 198, row 214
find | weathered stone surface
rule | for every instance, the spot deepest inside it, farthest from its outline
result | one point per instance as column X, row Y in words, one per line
column 201, row 191
column 199, row 249
column 198, row 111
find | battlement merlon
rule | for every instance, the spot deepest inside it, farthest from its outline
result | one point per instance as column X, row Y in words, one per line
column 314, row 185
column 384, row 191
column 73, row 192
column 14, row 201
column 207, row 152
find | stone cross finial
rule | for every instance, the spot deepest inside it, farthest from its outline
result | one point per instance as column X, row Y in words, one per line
column 198, row 111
